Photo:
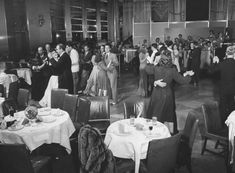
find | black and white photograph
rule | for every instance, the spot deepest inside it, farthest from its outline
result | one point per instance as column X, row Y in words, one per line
column 117, row 86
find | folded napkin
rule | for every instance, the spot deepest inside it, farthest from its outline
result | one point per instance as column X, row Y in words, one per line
column 124, row 128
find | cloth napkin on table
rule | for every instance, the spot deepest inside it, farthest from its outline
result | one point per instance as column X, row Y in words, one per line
column 124, row 128
column 230, row 122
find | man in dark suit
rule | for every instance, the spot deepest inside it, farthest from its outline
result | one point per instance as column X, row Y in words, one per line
column 227, row 82
column 62, row 68
column 196, row 61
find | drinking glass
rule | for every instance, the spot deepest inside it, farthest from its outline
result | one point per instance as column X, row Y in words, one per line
column 132, row 120
column 150, row 128
column 154, row 120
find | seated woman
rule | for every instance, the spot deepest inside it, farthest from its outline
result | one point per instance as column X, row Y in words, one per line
column 98, row 82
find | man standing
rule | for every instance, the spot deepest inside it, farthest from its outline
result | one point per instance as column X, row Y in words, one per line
column 227, row 83
column 74, row 56
column 196, row 61
column 62, row 68
column 111, row 63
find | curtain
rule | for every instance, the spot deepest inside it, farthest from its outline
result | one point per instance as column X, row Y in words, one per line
column 127, row 18
column 218, row 10
column 142, row 11
column 177, row 10
column 159, row 10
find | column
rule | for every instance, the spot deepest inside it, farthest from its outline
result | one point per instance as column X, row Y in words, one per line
column 3, row 30
column 67, row 19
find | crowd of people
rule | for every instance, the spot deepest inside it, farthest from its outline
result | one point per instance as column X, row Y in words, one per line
column 161, row 65
column 85, row 70
column 80, row 70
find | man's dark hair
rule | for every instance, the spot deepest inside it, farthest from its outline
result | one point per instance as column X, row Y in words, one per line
column 61, row 46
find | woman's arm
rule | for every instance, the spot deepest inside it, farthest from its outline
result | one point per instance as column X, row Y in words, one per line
column 179, row 78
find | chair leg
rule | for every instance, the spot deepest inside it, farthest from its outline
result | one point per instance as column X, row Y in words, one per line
column 204, row 146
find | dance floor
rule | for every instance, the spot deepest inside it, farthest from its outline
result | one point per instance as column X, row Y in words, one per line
column 188, row 98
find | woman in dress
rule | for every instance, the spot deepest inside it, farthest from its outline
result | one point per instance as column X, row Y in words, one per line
column 38, row 83
column 175, row 53
column 98, row 82
column 162, row 99
column 142, row 89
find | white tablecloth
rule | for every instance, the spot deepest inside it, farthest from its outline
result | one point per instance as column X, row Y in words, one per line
column 230, row 122
column 130, row 54
column 25, row 73
column 46, row 100
column 58, row 131
column 135, row 144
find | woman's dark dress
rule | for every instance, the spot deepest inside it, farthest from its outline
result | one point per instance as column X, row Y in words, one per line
column 162, row 100
column 37, row 79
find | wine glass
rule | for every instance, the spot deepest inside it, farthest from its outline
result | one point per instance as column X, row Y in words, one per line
column 132, row 120
column 150, row 128
column 154, row 119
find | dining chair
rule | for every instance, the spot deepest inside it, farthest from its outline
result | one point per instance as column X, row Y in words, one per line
column 23, row 98
column 93, row 154
column 186, row 141
column 57, row 97
column 134, row 107
column 70, row 105
column 15, row 158
column 11, row 71
column 162, row 154
column 82, row 113
column 13, row 90
column 7, row 105
column 99, row 113
column 2, row 90
column 213, row 128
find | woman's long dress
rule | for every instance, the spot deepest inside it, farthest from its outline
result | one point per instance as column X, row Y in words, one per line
column 98, row 80
column 162, row 99
column 142, row 89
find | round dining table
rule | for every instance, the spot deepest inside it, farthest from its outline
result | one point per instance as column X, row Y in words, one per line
column 130, row 141
column 55, row 127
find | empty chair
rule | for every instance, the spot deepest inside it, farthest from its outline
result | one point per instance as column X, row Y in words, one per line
column 187, row 140
column 82, row 112
column 99, row 113
column 23, row 98
column 57, row 97
column 70, row 105
column 162, row 154
column 11, row 71
column 213, row 126
column 7, row 105
column 134, row 107
column 13, row 90
column 15, row 159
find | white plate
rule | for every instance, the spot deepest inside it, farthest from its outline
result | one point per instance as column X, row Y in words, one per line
column 48, row 119
column 44, row 113
column 15, row 128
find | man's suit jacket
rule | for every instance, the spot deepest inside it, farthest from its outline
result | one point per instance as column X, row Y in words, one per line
column 111, row 57
column 62, row 68
column 196, row 58
column 227, row 75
